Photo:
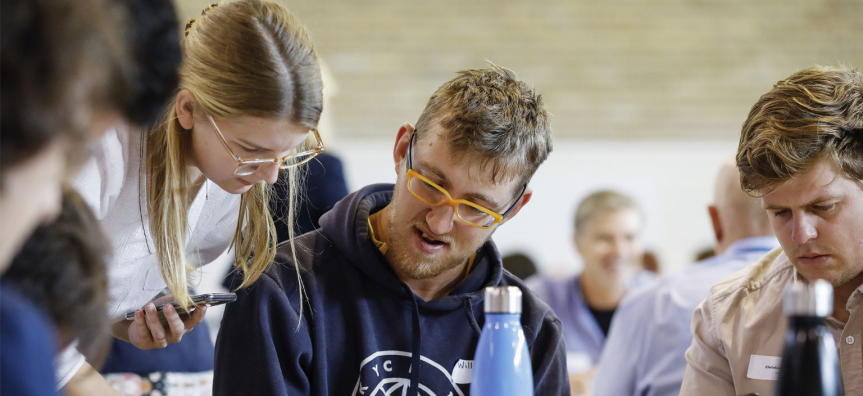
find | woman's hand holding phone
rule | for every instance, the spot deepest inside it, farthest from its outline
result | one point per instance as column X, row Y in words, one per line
column 148, row 331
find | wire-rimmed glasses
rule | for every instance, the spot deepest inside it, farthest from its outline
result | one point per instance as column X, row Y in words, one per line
column 302, row 153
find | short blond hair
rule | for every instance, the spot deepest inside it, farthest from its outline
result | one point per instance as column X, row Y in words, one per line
column 601, row 203
column 815, row 113
column 496, row 118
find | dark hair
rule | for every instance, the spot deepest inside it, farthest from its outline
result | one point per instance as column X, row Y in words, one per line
column 60, row 62
column 519, row 265
column 153, row 34
column 61, row 268
column 600, row 203
column 814, row 114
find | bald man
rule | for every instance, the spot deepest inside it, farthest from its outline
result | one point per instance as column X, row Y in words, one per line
column 644, row 352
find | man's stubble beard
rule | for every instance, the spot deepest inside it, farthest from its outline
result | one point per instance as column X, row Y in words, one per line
column 838, row 274
column 415, row 266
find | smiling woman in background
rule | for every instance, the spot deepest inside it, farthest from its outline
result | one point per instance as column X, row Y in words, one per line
column 176, row 197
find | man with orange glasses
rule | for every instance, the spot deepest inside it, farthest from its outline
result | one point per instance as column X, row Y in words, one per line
column 392, row 284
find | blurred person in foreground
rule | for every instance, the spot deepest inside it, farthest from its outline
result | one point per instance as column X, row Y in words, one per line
column 644, row 352
column 395, row 276
column 608, row 227
column 61, row 268
column 801, row 152
column 64, row 80
column 62, row 74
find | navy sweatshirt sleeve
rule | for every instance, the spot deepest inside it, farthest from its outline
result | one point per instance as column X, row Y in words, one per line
column 259, row 350
column 548, row 355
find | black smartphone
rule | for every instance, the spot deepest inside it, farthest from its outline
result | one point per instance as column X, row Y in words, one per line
column 209, row 299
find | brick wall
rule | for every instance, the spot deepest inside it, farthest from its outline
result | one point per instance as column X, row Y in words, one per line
column 607, row 69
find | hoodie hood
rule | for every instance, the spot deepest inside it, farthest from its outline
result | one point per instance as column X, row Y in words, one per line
column 347, row 227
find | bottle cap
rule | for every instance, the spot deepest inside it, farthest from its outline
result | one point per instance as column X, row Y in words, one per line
column 813, row 299
column 502, row 299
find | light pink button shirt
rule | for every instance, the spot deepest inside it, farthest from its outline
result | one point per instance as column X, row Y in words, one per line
column 742, row 322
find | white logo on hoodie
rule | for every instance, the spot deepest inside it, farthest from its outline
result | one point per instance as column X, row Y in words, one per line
column 386, row 372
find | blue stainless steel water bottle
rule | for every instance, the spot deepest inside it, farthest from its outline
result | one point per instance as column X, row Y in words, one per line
column 501, row 365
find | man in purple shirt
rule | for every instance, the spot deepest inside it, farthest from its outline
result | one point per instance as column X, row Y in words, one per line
column 607, row 236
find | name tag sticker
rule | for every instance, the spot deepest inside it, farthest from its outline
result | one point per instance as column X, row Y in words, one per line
column 462, row 371
column 764, row 367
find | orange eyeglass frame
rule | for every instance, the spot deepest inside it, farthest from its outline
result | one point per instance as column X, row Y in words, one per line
column 449, row 200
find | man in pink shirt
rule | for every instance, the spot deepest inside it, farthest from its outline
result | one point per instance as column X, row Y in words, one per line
column 801, row 152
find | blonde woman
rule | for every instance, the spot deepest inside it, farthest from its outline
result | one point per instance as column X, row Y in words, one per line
column 176, row 197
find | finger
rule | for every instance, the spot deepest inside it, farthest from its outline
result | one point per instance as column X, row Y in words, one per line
column 156, row 328
column 143, row 338
column 196, row 318
column 174, row 323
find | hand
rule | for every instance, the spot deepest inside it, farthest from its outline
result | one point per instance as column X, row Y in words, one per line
column 148, row 331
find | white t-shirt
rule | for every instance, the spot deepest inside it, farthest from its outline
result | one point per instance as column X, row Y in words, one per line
column 113, row 185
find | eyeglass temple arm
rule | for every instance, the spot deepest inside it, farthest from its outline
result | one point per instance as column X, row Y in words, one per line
column 514, row 204
column 410, row 143
column 222, row 139
column 503, row 216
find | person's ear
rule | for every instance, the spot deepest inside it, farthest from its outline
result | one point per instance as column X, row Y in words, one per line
column 185, row 107
column 528, row 194
column 401, row 147
column 717, row 225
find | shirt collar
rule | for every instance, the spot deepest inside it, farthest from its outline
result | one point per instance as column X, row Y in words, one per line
column 753, row 244
column 855, row 299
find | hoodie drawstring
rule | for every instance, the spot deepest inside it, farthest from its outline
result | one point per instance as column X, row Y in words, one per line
column 416, row 344
column 471, row 318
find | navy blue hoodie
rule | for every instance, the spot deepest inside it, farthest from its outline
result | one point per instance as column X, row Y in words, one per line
column 363, row 332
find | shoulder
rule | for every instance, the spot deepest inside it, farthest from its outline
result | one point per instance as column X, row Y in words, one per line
column 774, row 267
column 311, row 251
column 551, row 288
column 114, row 156
column 643, row 296
column 15, row 305
column 640, row 279
column 28, row 349
column 691, row 286
column 753, row 294
column 117, row 144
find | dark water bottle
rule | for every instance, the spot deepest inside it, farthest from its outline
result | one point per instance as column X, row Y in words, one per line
column 810, row 362
column 501, row 364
